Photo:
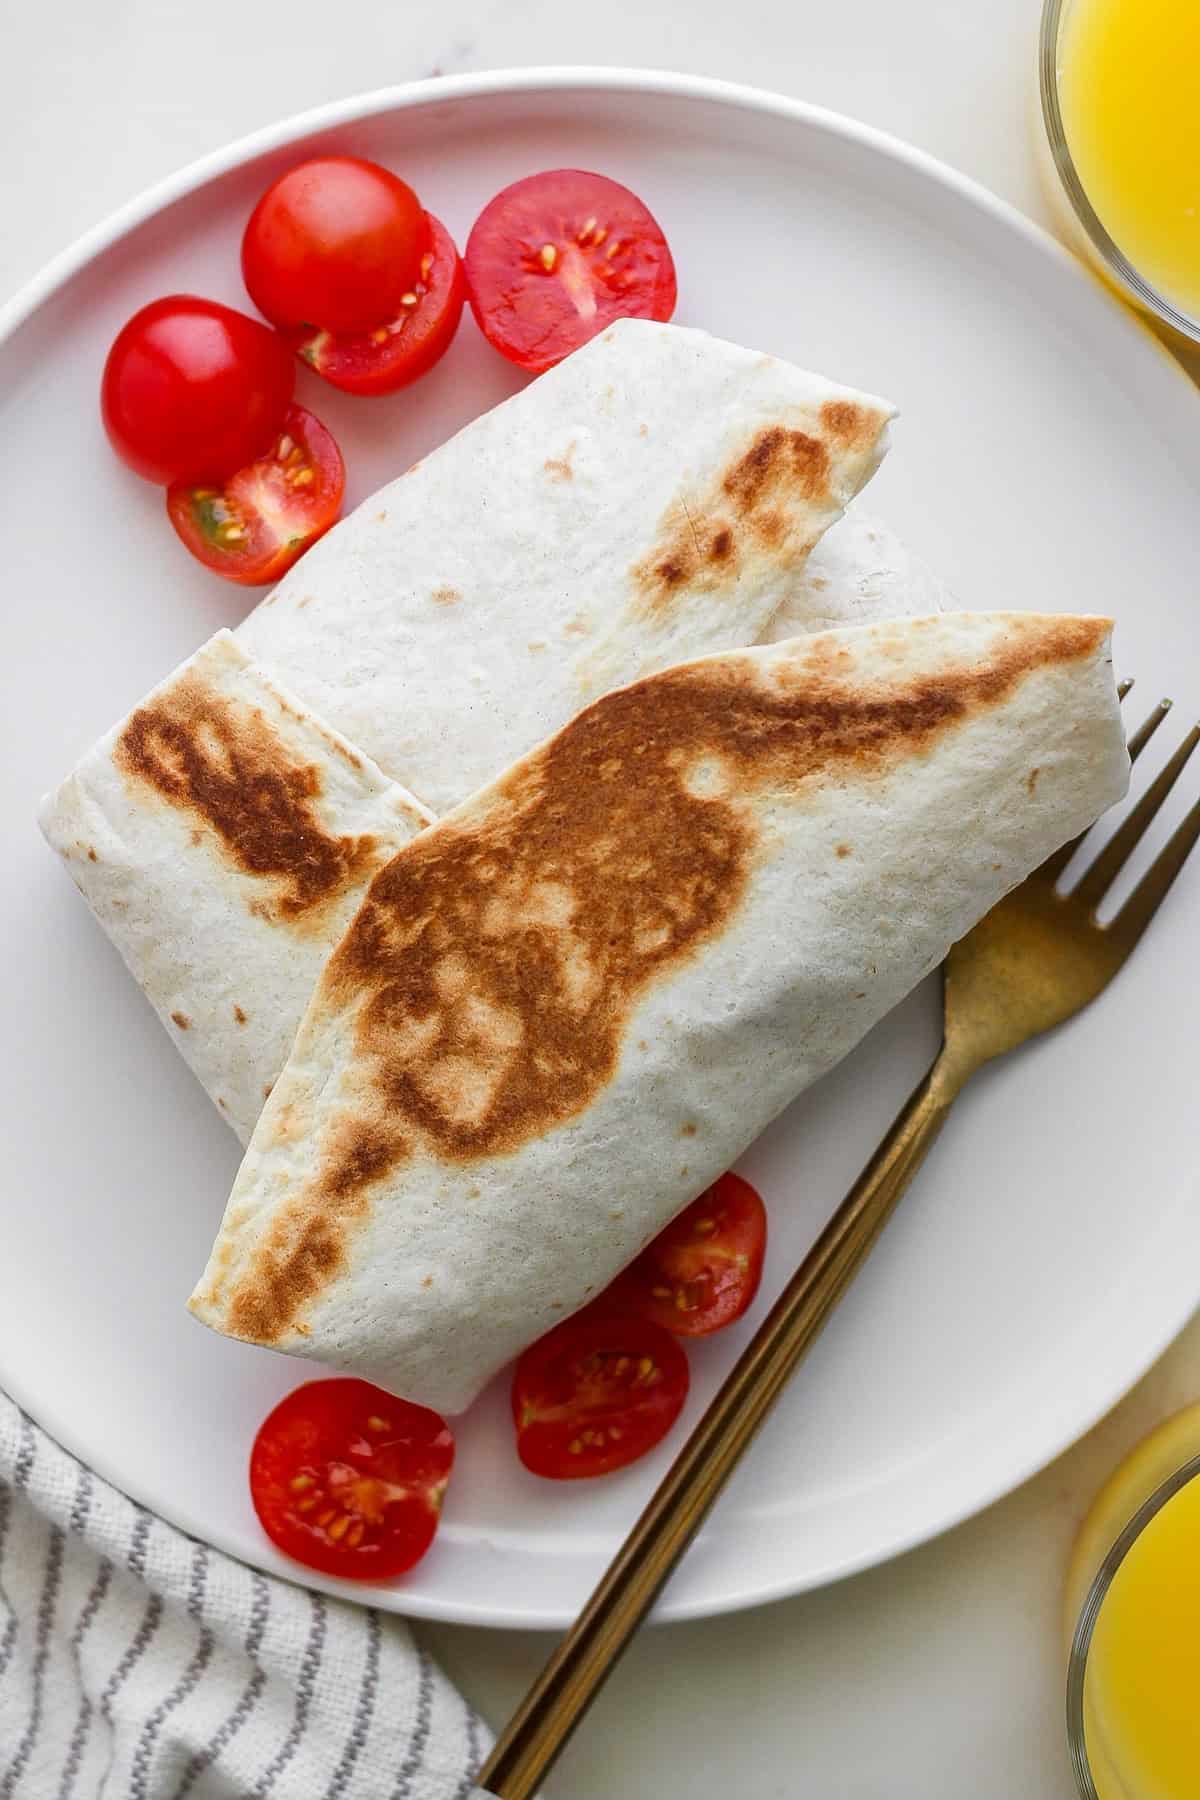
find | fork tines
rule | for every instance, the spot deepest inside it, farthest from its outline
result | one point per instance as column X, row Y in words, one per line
column 1097, row 879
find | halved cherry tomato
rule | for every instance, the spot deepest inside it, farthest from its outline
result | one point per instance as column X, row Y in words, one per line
column 192, row 390
column 335, row 242
column 555, row 258
column 253, row 526
column 702, row 1272
column 596, row 1393
column 348, row 1480
column 380, row 361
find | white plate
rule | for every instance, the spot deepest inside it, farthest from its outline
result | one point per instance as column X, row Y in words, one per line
column 1047, row 457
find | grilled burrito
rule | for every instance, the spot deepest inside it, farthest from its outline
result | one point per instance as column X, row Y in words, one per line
column 460, row 615
column 564, row 1009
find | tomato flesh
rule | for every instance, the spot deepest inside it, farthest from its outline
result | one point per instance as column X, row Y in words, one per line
column 253, row 526
column 596, row 1393
column 191, row 390
column 349, row 1480
column 333, row 243
column 556, row 257
column 407, row 346
column 702, row 1272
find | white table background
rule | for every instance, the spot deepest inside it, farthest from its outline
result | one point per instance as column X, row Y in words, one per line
column 938, row 1677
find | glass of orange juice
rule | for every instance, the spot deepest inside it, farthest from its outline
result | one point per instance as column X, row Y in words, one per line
column 1120, row 96
column 1133, row 1682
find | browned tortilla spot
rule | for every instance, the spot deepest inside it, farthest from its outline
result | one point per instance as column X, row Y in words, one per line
column 778, row 461
column 290, row 1272
column 495, row 963
column 182, row 1020
column 303, row 1251
column 239, row 1015
column 222, row 764
column 752, row 506
column 843, row 850
column 559, row 468
column 851, row 425
column 445, row 596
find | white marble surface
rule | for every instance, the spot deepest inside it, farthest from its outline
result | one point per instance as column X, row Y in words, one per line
column 939, row 1676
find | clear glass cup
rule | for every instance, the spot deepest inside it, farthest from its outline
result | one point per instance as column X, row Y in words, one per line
column 1096, row 1778
column 1074, row 210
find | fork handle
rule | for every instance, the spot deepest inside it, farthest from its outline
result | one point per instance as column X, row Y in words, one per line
column 574, row 1674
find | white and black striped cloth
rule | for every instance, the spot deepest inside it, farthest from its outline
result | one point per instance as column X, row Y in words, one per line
column 137, row 1664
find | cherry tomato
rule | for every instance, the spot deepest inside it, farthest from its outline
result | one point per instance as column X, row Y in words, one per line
column 596, row 1393
column 702, row 1272
column 380, row 361
column 348, row 1480
column 254, row 525
column 335, row 242
column 192, row 390
column 555, row 258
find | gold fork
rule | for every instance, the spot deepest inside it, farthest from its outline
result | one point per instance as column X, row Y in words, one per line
column 1031, row 963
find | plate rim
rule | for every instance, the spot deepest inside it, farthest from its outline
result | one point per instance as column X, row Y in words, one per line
column 600, row 80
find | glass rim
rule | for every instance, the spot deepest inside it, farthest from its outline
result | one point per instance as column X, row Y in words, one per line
column 1106, row 248
column 1082, row 1639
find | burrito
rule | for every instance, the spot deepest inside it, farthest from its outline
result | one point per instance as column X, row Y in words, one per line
column 462, row 614
column 564, row 1009
column 652, row 498
column 199, row 923
column 223, row 835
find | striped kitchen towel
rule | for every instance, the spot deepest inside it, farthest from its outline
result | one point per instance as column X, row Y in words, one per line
column 137, row 1664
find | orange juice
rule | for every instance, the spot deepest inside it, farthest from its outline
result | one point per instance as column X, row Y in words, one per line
column 1141, row 1696
column 1129, row 90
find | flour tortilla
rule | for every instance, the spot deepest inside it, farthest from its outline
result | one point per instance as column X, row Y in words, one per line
column 652, row 498
column 562, row 1011
column 860, row 572
column 223, row 835
column 190, row 923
